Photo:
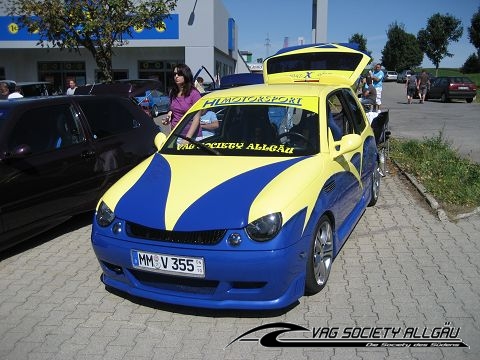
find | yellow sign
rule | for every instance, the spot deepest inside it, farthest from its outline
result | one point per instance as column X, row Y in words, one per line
column 13, row 28
column 161, row 28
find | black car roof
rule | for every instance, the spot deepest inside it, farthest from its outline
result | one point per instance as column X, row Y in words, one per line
column 49, row 99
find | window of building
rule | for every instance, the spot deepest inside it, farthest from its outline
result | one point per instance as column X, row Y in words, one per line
column 59, row 73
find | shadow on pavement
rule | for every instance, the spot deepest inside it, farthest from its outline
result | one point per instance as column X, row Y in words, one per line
column 70, row 225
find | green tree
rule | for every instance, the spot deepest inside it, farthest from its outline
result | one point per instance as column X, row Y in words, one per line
column 474, row 31
column 401, row 50
column 361, row 41
column 435, row 38
column 471, row 65
column 96, row 25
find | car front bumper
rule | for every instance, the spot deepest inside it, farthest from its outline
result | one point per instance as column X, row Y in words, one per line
column 234, row 279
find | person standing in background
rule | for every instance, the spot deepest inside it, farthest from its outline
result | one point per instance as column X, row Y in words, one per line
column 182, row 96
column 71, row 87
column 423, row 85
column 4, row 91
column 412, row 87
column 16, row 93
column 199, row 85
column 377, row 78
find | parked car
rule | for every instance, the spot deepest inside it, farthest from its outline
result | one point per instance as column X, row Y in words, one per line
column 148, row 95
column 59, row 154
column 143, row 93
column 390, row 76
column 36, row 88
column 447, row 88
column 155, row 100
column 253, row 216
column 31, row 88
column 402, row 77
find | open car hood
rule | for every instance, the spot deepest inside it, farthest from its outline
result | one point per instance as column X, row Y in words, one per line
column 319, row 63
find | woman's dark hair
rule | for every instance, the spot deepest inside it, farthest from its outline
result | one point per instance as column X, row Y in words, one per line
column 185, row 71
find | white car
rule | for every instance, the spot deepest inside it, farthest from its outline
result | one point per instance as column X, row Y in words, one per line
column 391, row 76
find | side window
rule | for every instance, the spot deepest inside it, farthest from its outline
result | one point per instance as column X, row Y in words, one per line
column 339, row 117
column 357, row 115
column 46, row 128
column 108, row 117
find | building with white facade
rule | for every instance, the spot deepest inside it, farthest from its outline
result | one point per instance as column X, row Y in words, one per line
column 198, row 33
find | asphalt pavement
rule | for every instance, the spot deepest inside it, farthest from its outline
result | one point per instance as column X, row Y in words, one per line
column 457, row 121
column 402, row 268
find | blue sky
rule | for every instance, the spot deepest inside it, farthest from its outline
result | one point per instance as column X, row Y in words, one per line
column 276, row 19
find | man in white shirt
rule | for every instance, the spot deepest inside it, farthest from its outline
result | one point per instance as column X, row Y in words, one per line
column 71, row 87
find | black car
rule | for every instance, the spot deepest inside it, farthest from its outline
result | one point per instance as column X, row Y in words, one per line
column 36, row 88
column 59, row 154
column 447, row 88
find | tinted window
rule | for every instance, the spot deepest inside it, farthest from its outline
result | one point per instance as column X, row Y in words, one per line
column 108, row 116
column 314, row 61
column 342, row 115
column 357, row 115
column 36, row 90
column 46, row 128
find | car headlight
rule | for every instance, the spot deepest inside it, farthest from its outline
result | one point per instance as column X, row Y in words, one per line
column 104, row 215
column 265, row 228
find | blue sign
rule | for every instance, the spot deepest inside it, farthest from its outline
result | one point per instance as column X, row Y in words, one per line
column 10, row 31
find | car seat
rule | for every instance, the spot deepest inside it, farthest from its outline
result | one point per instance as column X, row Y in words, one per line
column 252, row 125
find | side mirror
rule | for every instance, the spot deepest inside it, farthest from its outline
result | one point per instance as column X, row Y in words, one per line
column 19, row 152
column 159, row 140
column 345, row 145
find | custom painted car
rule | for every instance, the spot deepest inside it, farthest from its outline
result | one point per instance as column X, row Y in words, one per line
column 253, row 216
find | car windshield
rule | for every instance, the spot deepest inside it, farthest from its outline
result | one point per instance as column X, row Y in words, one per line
column 247, row 130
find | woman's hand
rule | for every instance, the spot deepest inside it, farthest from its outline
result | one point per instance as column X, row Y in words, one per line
column 167, row 118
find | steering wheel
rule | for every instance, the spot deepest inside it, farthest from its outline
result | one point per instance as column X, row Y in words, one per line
column 295, row 134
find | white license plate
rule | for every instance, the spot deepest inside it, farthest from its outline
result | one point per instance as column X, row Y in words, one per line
column 463, row 88
column 168, row 264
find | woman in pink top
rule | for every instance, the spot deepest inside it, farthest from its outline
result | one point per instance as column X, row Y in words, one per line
column 182, row 97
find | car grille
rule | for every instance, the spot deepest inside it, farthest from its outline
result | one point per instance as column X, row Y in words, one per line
column 208, row 237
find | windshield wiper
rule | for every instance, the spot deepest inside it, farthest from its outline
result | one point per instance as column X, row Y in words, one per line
column 199, row 144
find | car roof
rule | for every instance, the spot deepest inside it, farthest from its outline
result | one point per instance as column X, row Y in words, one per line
column 36, row 100
column 23, row 83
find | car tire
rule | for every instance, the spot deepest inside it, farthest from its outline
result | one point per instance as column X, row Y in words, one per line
column 155, row 111
column 469, row 100
column 378, row 172
column 320, row 257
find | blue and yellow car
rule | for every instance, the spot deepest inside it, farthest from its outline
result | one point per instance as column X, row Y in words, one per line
column 252, row 216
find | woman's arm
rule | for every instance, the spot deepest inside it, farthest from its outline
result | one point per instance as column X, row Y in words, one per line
column 194, row 126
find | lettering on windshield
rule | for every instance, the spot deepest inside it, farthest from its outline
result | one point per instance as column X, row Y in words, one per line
column 241, row 146
column 255, row 99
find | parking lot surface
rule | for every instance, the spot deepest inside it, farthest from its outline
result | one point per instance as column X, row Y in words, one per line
column 401, row 267
column 455, row 121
